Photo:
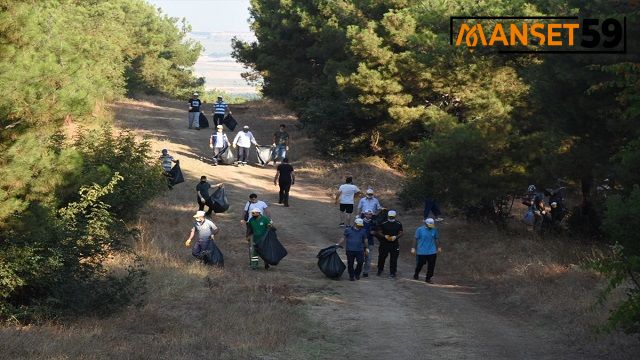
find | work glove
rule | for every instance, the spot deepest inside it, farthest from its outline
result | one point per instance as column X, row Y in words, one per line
column 413, row 251
column 274, row 145
column 210, row 146
column 187, row 243
column 234, row 146
column 287, row 148
column 366, row 252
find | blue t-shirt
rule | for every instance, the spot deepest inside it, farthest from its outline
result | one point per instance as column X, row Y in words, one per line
column 426, row 238
column 195, row 105
column 355, row 238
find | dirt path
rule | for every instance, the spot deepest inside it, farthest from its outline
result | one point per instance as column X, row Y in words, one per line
column 376, row 318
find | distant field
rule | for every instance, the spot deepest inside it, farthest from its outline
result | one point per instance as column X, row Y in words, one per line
column 218, row 67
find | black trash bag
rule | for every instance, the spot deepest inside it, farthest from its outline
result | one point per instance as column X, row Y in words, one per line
column 226, row 156
column 230, row 122
column 270, row 249
column 175, row 175
column 220, row 201
column 265, row 153
column 214, row 257
column 330, row 263
column 203, row 121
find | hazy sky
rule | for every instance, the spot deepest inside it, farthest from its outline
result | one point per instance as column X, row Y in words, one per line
column 209, row 15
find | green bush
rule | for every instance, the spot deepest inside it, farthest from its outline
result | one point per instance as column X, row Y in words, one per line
column 622, row 267
column 52, row 251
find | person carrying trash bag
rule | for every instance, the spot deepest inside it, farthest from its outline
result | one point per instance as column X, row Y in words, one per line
column 243, row 141
column 257, row 227
column 330, row 263
column 204, row 249
column 218, row 142
column 390, row 231
column 356, row 239
column 426, row 248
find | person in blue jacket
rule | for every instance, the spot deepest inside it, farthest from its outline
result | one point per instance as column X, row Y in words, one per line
column 426, row 248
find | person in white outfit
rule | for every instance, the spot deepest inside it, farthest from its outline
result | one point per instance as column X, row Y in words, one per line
column 243, row 141
column 345, row 195
column 217, row 142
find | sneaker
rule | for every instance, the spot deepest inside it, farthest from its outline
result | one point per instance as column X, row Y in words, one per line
column 244, row 163
column 365, row 275
column 428, row 280
column 352, row 279
column 357, row 277
column 415, row 277
column 439, row 219
column 197, row 128
column 341, row 225
column 266, row 266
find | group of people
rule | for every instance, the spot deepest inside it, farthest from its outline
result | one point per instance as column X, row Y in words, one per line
column 220, row 111
column 373, row 223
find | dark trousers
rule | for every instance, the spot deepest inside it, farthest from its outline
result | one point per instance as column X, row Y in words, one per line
column 206, row 202
column 217, row 119
column 430, row 260
column 244, row 152
column 284, row 192
column 358, row 257
column 388, row 248
column 431, row 206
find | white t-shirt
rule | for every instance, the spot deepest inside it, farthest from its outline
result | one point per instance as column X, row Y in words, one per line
column 347, row 193
column 257, row 205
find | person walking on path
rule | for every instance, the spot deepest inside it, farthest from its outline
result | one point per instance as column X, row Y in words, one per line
column 285, row 177
column 243, row 140
column 257, row 227
column 369, row 202
column 431, row 207
column 280, row 144
column 345, row 196
column 356, row 239
column 426, row 248
column 220, row 110
column 369, row 228
column 205, row 230
column 194, row 111
column 202, row 193
column 253, row 203
column 217, row 142
column 167, row 162
column 390, row 231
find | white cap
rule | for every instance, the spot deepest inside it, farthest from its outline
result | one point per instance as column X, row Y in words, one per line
column 429, row 221
column 199, row 214
column 256, row 210
column 219, row 127
column 245, row 127
column 196, row 94
column 359, row 222
column 368, row 211
column 392, row 213
column 369, row 191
